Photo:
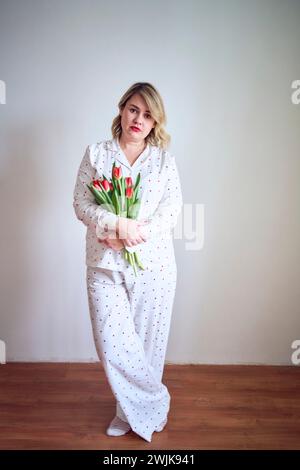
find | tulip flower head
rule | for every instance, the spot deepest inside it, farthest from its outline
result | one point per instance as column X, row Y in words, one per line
column 105, row 185
column 128, row 181
column 96, row 184
column 129, row 192
column 117, row 172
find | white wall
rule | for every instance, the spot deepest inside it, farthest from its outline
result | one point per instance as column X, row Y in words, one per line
column 225, row 71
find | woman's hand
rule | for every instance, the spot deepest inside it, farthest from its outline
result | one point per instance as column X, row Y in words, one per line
column 113, row 243
column 130, row 231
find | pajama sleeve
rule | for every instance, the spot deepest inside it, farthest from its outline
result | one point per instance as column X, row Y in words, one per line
column 85, row 207
column 166, row 215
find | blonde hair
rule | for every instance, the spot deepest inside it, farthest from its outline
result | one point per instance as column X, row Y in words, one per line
column 157, row 136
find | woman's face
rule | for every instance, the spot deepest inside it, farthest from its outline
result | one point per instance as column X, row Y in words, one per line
column 136, row 114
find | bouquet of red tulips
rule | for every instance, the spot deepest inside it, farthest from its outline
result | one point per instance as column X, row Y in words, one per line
column 119, row 196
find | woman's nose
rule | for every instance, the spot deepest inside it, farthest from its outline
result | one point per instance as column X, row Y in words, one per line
column 138, row 119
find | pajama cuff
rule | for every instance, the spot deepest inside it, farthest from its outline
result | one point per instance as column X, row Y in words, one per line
column 107, row 222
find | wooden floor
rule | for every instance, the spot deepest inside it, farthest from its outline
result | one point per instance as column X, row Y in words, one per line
column 69, row 405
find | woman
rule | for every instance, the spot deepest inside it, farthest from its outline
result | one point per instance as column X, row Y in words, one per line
column 130, row 314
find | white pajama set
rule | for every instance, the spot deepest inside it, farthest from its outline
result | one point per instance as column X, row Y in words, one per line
column 130, row 314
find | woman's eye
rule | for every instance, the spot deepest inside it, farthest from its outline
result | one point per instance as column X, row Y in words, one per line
column 132, row 109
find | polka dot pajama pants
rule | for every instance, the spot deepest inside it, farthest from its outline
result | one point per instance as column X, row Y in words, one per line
column 130, row 319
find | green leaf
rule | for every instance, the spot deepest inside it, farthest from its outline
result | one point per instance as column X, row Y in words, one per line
column 116, row 186
column 116, row 202
column 134, row 210
column 124, row 203
column 109, row 207
column 135, row 194
column 107, row 197
column 98, row 195
column 137, row 180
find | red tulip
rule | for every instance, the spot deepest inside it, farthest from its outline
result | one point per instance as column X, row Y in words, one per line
column 128, row 181
column 96, row 184
column 105, row 185
column 129, row 192
column 117, row 173
column 111, row 186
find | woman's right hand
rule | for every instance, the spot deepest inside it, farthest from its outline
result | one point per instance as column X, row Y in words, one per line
column 114, row 243
column 128, row 230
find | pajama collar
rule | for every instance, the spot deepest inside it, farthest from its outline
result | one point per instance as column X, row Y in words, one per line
column 114, row 145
